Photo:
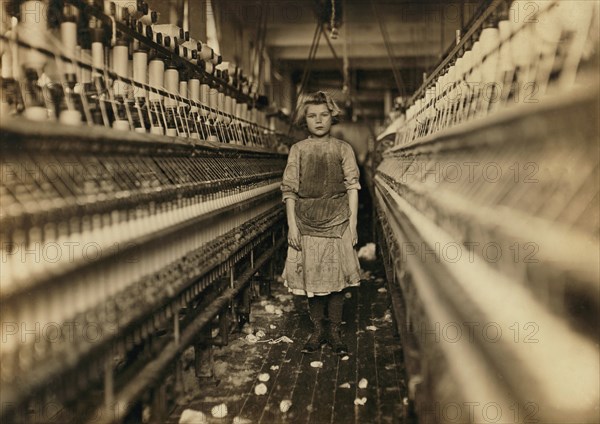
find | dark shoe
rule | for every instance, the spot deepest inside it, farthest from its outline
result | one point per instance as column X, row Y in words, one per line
column 316, row 339
column 335, row 340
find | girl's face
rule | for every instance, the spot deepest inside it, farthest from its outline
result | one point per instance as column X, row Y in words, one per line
column 318, row 120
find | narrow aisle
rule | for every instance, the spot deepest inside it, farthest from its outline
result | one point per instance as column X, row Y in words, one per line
column 322, row 387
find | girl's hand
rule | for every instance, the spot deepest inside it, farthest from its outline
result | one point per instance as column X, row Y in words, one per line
column 353, row 234
column 294, row 237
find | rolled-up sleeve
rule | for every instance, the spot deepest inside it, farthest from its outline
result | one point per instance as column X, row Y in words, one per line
column 351, row 173
column 291, row 175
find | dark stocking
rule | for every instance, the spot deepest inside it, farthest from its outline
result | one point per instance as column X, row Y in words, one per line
column 316, row 308
column 334, row 309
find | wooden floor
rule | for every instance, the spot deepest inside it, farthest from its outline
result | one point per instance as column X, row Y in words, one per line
column 318, row 395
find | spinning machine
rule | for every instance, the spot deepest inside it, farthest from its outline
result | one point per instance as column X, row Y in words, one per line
column 488, row 209
column 140, row 196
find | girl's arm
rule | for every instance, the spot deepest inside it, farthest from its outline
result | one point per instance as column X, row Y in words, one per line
column 353, row 199
column 351, row 176
column 293, row 233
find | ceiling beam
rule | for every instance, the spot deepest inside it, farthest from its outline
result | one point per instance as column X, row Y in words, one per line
column 373, row 63
column 369, row 32
column 359, row 50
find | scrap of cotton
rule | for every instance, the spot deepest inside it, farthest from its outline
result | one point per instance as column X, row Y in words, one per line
column 405, row 401
column 272, row 327
column 345, row 386
column 240, row 420
column 190, row 416
column 278, row 312
column 270, row 309
column 251, row 338
column 274, row 367
column 282, row 339
column 360, row 401
column 371, row 328
column 348, row 295
column 264, row 377
column 219, row 411
column 316, row 364
column 285, row 405
column 382, row 290
column 260, row 334
column 345, row 358
column 379, row 280
column 367, row 252
column 363, row 383
column 260, row 389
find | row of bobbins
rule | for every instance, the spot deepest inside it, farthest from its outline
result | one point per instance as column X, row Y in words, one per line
column 124, row 105
column 515, row 59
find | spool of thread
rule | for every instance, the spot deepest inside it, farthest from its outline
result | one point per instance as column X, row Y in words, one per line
column 172, row 132
column 209, row 68
column 97, row 36
column 467, row 64
column 68, row 35
column 548, row 32
column 247, row 115
column 183, row 92
column 451, row 77
column 204, row 98
column 97, row 57
column 228, row 109
column 521, row 45
column 234, row 108
column 490, row 41
column 156, row 75
column 239, row 110
column 140, row 71
column 194, row 92
column 172, row 86
column 7, row 65
column 120, row 65
column 140, row 130
column 213, row 102
column 220, row 105
column 505, row 61
column 475, row 76
column 86, row 74
column 32, row 29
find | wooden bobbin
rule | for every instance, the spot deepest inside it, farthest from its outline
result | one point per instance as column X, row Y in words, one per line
column 33, row 30
column 156, row 75
column 120, row 65
column 140, row 72
column 204, row 98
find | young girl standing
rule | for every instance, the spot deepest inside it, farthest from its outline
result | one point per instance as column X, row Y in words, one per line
column 320, row 189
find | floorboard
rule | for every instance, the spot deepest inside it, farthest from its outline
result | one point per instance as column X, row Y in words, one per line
column 318, row 395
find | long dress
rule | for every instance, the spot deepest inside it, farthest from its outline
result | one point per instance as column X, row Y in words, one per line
column 318, row 175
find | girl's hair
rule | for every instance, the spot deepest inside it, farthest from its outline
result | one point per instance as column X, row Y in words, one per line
column 318, row 98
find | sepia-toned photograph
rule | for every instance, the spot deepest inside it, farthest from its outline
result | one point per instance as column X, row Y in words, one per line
column 300, row 211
